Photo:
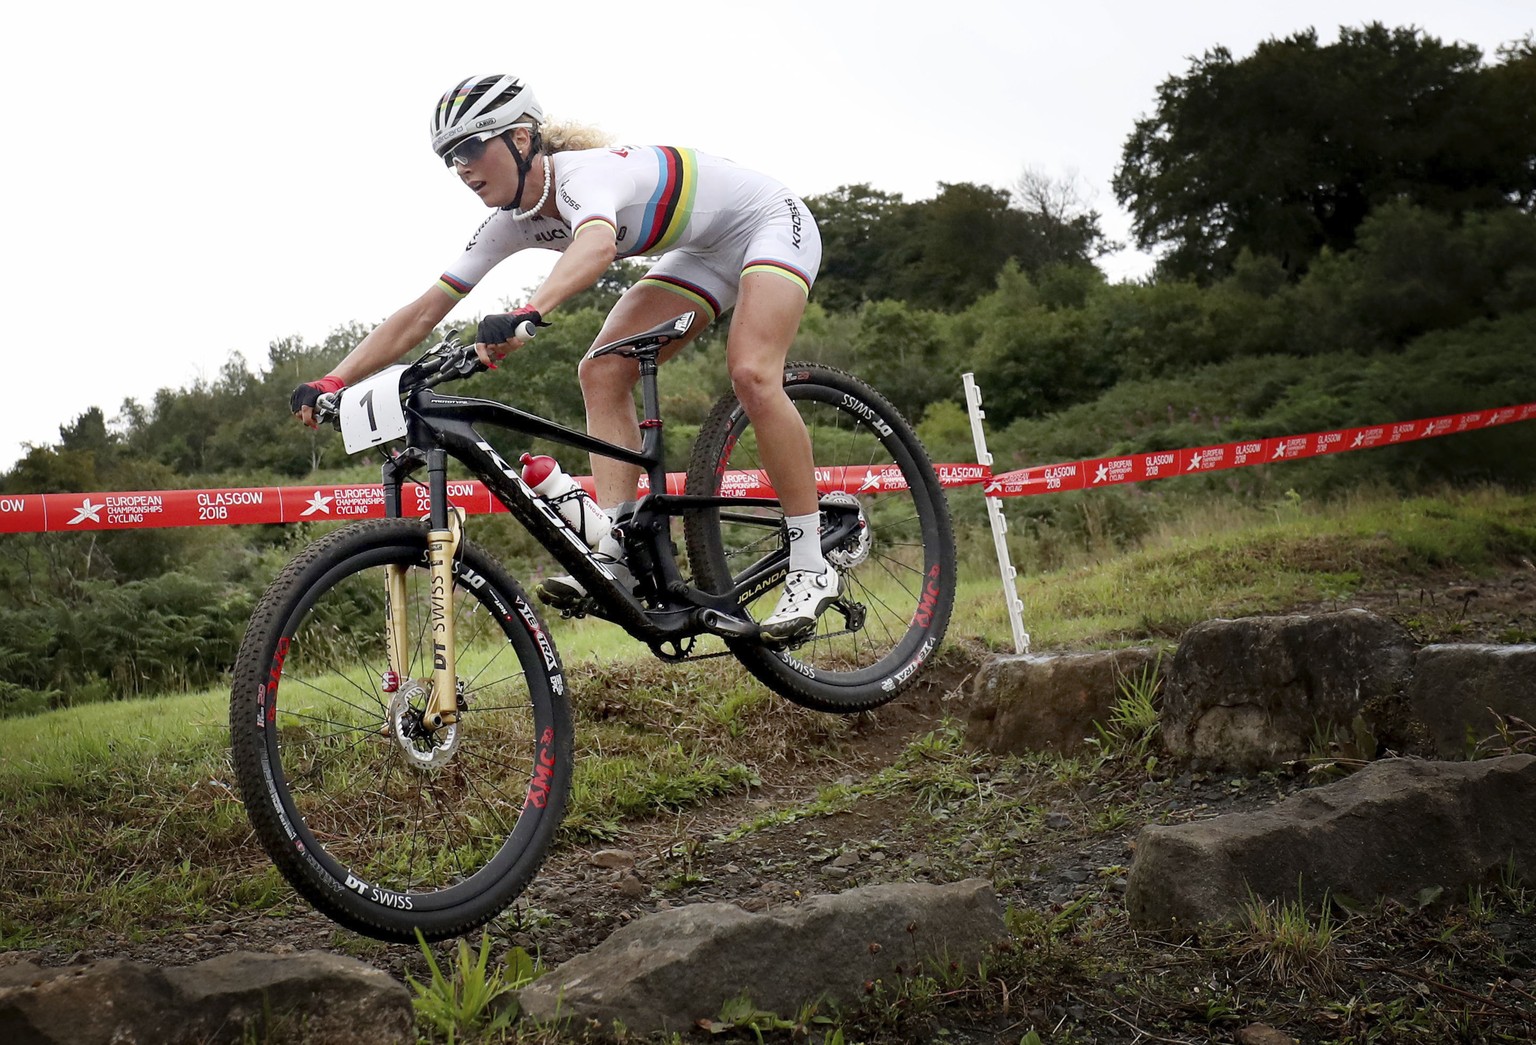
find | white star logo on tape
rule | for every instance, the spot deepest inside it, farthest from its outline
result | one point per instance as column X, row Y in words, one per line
column 87, row 510
column 1101, row 473
column 1279, row 451
column 1197, row 461
column 318, row 503
column 871, row 482
column 1359, row 439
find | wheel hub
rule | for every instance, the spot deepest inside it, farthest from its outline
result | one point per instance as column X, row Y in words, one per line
column 424, row 748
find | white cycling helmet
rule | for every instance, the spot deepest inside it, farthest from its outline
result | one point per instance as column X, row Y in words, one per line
column 480, row 104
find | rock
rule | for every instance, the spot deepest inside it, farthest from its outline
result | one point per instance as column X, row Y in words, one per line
column 614, row 859
column 1393, row 829
column 1250, row 694
column 16, row 973
column 1049, row 702
column 665, row 971
column 1454, row 688
column 1262, row 1034
column 235, row 997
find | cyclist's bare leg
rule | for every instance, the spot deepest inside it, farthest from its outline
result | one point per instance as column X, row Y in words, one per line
column 767, row 317
column 762, row 329
column 608, row 384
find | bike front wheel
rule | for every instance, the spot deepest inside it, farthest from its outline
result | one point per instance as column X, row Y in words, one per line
column 386, row 826
column 898, row 570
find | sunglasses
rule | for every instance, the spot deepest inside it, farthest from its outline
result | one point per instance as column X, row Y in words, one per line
column 472, row 148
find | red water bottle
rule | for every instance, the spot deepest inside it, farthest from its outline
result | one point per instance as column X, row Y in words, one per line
column 566, row 496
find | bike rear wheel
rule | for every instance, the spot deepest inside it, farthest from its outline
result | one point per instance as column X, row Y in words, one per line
column 898, row 573
column 385, row 826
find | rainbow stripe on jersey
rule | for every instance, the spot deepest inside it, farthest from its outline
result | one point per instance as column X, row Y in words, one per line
column 670, row 207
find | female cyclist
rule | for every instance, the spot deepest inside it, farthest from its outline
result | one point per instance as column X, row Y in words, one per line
column 726, row 236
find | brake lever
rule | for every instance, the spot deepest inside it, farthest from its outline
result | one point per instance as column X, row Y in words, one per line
column 328, row 410
column 460, row 360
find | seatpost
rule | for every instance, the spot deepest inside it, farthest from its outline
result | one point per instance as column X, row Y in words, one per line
column 650, row 424
column 650, row 396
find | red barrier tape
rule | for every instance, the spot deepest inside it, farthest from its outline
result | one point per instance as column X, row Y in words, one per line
column 1165, row 464
column 60, row 512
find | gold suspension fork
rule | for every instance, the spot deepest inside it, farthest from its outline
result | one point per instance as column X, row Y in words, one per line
column 394, row 611
column 442, row 545
column 443, row 541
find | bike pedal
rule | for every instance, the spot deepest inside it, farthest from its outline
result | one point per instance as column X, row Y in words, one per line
column 789, row 643
column 567, row 608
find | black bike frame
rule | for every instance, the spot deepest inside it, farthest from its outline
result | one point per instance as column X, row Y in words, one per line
column 440, row 426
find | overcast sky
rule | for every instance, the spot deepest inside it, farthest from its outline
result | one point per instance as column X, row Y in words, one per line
column 189, row 180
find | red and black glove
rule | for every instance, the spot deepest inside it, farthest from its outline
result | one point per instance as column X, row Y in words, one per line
column 520, row 323
column 309, row 393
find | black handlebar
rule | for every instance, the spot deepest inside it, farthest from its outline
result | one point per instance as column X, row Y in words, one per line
column 448, row 360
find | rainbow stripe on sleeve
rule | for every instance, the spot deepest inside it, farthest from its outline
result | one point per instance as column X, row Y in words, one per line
column 667, row 213
column 595, row 219
column 453, row 286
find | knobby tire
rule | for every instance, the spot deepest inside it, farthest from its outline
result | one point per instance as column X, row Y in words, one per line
column 384, row 840
column 900, row 588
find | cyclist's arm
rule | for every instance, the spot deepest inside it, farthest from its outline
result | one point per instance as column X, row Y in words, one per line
column 587, row 258
column 396, row 336
column 583, row 262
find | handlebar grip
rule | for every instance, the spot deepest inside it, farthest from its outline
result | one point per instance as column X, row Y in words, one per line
column 525, row 330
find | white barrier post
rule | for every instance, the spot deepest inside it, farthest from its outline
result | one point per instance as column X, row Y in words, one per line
column 999, row 523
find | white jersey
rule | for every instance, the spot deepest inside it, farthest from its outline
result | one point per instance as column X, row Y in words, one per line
column 710, row 219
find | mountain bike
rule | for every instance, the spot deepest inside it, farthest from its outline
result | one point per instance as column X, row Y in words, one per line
column 400, row 722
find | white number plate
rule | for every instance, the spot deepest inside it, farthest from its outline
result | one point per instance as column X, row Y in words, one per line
column 371, row 412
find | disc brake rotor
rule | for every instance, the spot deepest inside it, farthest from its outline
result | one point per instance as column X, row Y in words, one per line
column 424, row 748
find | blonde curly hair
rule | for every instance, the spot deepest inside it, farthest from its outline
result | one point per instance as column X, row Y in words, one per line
column 570, row 137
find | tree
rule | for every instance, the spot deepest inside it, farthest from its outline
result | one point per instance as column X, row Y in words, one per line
column 1287, row 151
column 951, row 247
column 1067, row 227
column 857, row 232
column 942, row 253
column 1412, row 272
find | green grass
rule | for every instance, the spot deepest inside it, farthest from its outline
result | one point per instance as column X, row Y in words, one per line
column 70, row 748
column 116, row 811
column 1289, row 946
column 122, row 819
column 1205, row 560
column 470, row 1000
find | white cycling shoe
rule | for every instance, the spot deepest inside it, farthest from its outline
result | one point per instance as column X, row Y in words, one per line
column 806, row 594
column 566, row 592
